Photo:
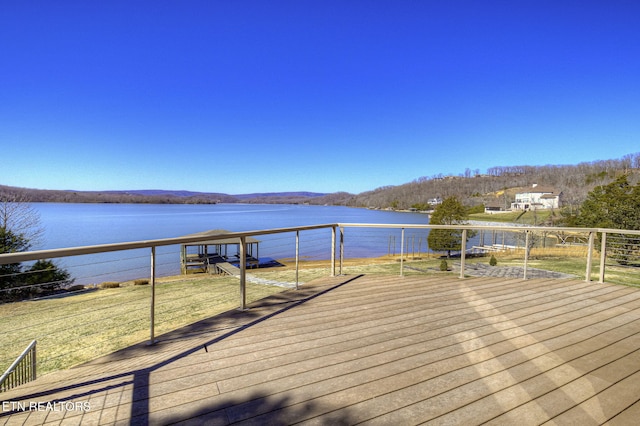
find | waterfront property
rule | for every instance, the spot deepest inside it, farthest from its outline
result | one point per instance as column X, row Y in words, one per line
column 536, row 197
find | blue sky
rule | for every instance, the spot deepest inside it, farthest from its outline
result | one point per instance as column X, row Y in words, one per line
column 257, row 96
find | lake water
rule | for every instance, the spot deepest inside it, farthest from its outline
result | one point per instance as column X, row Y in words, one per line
column 71, row 225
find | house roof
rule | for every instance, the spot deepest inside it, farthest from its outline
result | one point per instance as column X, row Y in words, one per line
column 539, row 189
column 549, row 196
column 494, row 204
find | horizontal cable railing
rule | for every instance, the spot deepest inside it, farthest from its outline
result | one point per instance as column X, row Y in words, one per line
column 126, row 301
column 619, row 253
column 407, row 240
column 121, row 300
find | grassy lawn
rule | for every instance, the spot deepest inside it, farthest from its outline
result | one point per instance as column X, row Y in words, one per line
column 81, row 327
column 528, row 217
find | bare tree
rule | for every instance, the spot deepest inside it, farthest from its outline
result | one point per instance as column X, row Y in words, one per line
column 20, row 218
column 20, row 229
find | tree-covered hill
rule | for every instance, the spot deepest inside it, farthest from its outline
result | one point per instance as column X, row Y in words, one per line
column 151, row 196
column 499, row 184
column 496, row 186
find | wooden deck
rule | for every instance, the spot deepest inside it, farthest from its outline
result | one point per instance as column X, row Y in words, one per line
column 374, row 349
column 227, row 268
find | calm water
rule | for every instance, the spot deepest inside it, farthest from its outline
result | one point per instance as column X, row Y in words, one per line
column 70, row 225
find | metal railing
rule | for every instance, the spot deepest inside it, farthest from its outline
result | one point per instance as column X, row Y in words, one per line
column 590, row 238
column 526, row 243
column 10, row 258
column 22, row 370
column 618, row 249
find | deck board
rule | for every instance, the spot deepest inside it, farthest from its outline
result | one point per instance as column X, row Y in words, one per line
column 377, row 350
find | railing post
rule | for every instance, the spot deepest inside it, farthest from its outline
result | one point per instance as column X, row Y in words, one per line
column 402, row 253
column 526, row 253
column 34, row 363
column 603, row 256
column 587, row 274
column 333, row 251
column 297, row 256
column 463, row 252
column 341, row 248
column 243, row 273
column 152, row 316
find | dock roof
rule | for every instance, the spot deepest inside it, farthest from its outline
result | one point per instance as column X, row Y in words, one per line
column 216, row 232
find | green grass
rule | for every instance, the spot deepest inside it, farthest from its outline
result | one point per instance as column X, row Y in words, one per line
column 529, row 217
column 567, row 265
column 621, row 275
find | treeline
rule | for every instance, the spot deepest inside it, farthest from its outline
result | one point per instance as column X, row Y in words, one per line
column 59, row 196
column 499, row 184
column 496, row 186
column 163, row 197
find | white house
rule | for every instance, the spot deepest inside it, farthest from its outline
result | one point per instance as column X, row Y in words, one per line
column 536, row 197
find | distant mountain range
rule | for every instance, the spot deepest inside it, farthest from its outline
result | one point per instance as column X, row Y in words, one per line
column 279, row 194
column 573, row 182
column 157, row 196
column 163, row 192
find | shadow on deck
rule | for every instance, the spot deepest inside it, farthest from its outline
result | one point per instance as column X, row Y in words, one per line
column 377, row 349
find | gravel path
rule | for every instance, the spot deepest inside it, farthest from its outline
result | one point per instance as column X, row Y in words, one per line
column 484, row 270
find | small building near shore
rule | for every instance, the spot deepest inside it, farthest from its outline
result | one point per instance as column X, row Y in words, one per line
column 495, row 207
column 217, row 255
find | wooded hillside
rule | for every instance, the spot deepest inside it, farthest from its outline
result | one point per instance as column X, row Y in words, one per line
column 496, row 186
column 151, row 196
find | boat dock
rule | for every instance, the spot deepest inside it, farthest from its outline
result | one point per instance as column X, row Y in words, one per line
column 218, row 255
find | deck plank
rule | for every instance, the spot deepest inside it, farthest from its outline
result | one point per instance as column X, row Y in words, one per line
column 376, row 350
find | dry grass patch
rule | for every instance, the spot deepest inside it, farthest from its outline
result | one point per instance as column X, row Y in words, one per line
column 81, row 327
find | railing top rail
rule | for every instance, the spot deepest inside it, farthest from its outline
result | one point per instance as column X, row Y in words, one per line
column 8, row 258
column 619, row 231
column 472, row 226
